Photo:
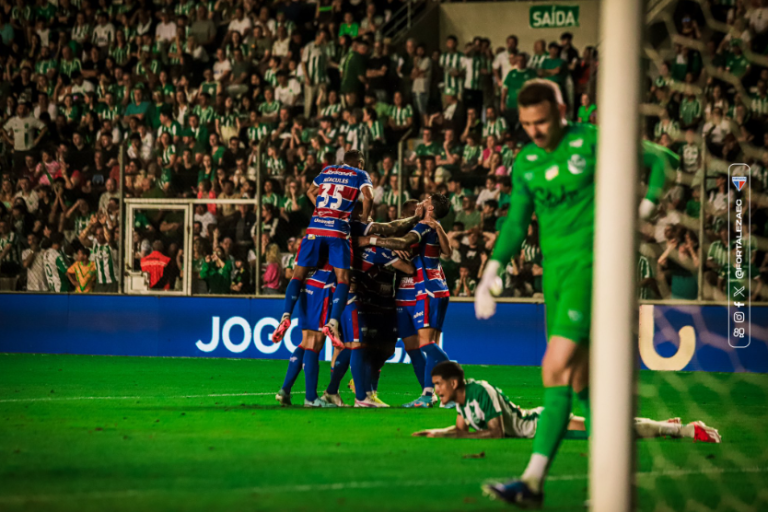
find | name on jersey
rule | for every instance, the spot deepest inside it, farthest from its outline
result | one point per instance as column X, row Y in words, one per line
column 341, row 181
column 328, row 222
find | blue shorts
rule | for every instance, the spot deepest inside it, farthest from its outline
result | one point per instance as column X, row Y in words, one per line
column 406, row 323
column 430, row 312
column 314, row 307
column 315, row 249
column 352, row 324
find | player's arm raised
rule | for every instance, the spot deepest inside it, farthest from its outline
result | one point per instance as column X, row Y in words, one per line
column 445, row 243
column 508, row 243
column 397, row 227
column 398, row 243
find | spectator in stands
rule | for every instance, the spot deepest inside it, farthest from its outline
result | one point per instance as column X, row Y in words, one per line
column 465, row 285
column 82, row 273
column 155, row 264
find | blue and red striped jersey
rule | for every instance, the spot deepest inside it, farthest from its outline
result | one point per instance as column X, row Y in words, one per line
column 339, row 189
column 430, row 279
column 323, row 277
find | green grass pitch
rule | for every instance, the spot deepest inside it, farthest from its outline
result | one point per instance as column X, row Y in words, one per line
column 119, row 433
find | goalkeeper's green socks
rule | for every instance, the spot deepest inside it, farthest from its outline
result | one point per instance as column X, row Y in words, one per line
column 550, row 430
column 583, row 397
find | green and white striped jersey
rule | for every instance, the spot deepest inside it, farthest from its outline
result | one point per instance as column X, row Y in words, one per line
column 228, row 119
column 758, row 105
column 390, row 197
column 507, row 158
column 168, row 154
column 104, row 257
column 376, row 131
column 82, row 222
column 472, row 67
column 141, row 70
column 644, row 271
column 449, row 61
column 256, row 133
column 270, row 109
column 315, row 57
column 719, row 254
column 356, row 134
column 183, row 8
column 537, row 61
column 56, row 271
column 690, row 109
column 174, row 130
column 10, row 240
column 205, row 115
column 42, row 66
column 270, row 76
column 68, row 68
column 110, row 113
column 401, row 114
column 495, row 128
column 273, row 199
column 531, row 253
column 471, row 154
column 484, row 402
column 330, row 110
column 275, row 166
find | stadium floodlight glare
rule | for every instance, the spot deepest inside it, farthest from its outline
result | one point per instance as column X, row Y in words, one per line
column 614, row 303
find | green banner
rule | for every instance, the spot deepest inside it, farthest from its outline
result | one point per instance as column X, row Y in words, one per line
column 554, row 16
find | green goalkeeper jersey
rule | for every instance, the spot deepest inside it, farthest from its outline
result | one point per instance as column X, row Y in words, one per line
column 484, row 402
column 559, row 186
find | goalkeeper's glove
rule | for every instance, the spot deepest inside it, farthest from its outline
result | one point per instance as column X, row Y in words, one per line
column 647, row 207
column 490, row 285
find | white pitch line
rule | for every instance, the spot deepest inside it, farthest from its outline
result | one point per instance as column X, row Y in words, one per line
column 66, row 398
column 340, row 486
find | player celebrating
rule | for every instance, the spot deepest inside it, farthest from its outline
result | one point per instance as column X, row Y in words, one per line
column 370, row 309
column 334, row 192
column 492, row 415
column 313, row 315
column 554, row 176
column 431, row 288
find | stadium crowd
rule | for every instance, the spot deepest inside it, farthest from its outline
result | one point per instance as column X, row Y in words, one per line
column 190, row 91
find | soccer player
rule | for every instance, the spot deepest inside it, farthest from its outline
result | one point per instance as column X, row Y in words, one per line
column 553, row 176
column 432, row 293
column 315, row 297
column 334, row 192
column 371, row 309
column 492, row 415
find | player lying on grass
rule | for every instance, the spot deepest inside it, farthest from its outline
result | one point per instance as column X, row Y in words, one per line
column 492, row 415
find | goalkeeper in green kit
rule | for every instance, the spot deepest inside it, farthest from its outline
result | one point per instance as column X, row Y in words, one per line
column 554, row 176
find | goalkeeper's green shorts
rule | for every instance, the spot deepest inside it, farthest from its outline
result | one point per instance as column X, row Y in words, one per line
column 568, row 299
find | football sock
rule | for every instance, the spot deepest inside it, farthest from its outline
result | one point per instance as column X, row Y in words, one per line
column 292, row 292
column 294, row 368
column 576, row 435
column 434, row 354
column 338, row 371
column 339, row 301
column 311, row 372
column 646, row 428
column 550, row 430
column 418, row 362
column 358, row 364
column 583, row 397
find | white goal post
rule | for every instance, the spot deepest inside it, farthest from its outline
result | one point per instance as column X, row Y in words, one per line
column 614, row 304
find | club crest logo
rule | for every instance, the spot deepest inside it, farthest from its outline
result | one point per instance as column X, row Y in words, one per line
column 739, row 182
